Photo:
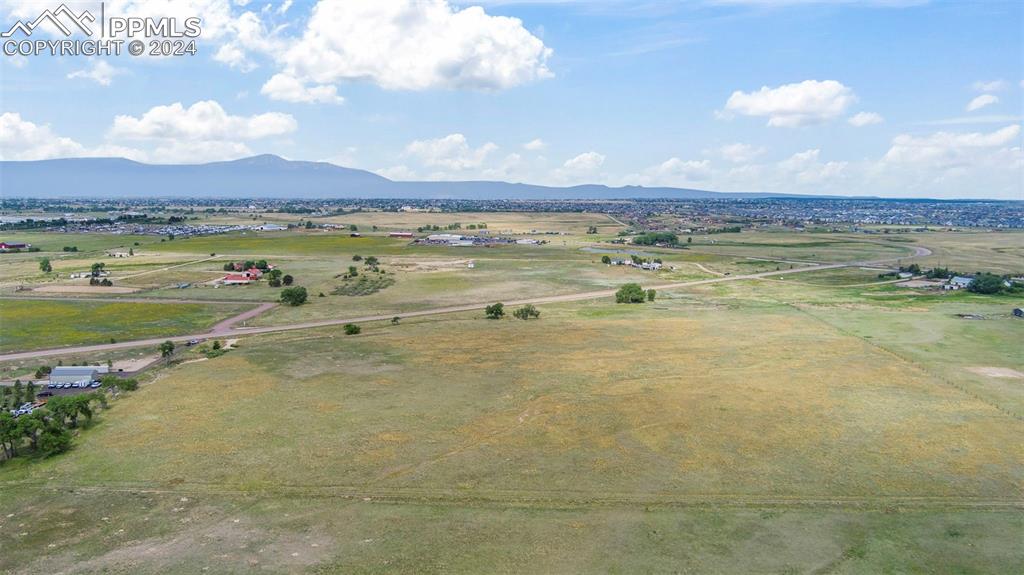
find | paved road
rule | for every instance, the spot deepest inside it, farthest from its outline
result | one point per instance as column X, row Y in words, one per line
column 223, row 329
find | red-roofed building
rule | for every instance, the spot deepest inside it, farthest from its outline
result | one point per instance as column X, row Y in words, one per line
column 236, row 279
column 6, row 246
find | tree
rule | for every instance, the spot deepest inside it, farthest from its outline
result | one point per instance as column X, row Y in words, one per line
column 53, row 440
column 495, row 311
column 352, row 271
column 131, row 252
column 630, row 293
column 31, row 425
column 526, row 312
column 352, row 329
column 10, row 434
column 395, row 320
column 650, row 294
column 689, row 239
column 986, row 284
column 287, row 280
column 166, row 349
column 97, row 268
column 216, row 344
column 353, row 228
column 294, row 296
column 44, row 266
column 357, row 258
column 606, row 260
column 652, row 238
column 371, row 261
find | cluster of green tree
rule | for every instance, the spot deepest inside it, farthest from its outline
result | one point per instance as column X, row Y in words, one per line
column 477, row 227
column 71, row 248
column 114, row 382
column 47, row 429
column 97, row 270
column 261, row 265
column 12, row 397
column 528, row 311
column 726, row 230
column 497, row 311
column 592, row 230
column 633, row 293
column 654, row 238
column 986, row 283
column 352, row 329
column 294, row 296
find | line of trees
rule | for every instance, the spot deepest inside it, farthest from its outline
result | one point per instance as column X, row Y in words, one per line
column 48, row 430
column 654, row 238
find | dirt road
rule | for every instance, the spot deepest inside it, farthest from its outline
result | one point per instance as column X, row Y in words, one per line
column 223, row 329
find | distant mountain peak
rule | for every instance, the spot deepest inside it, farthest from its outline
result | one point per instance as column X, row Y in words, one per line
column 271, row 176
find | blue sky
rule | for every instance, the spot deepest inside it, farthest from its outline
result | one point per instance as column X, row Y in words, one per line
column 890, row 98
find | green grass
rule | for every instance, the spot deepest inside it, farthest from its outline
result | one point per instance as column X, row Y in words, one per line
column 811, row 425
column 364, row 285
column 36, row 324
column 713, row 427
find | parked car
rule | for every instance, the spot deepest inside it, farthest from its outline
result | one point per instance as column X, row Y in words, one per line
column 94, row 384
column 192, row 342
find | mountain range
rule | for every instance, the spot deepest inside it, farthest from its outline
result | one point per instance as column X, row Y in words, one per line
column 269, row 176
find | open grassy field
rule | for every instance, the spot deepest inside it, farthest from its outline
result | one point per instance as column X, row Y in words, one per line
column 999, row 252
column 757, row 427
column 33, row 324
column 817, row 247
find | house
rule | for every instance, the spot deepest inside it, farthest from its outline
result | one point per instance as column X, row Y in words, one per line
column 8, row 246
column 76, row 373
column 119, row 254
column 400, row 235
column 237, row 279
column 471, row 265
column 905, row 275
column 958, row 282
column 271, row 228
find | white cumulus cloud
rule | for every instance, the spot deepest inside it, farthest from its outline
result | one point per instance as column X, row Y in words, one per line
column 792, row 105
column 740, row 153
column 535, row 145
column 861, row 119
column 982, row 101
column 98, row 71
column 24, row 140
column 414, row 45
column 286, row 88
column 451, row 152
column 204, row 120
column 989, row 86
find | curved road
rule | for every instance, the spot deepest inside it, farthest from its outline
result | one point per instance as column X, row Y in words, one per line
column 224, row 329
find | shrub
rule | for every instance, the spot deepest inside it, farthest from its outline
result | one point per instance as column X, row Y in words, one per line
column 528, row 311
column 630, row 293
column 495, row 311
column 294, row 296
column 352, row 329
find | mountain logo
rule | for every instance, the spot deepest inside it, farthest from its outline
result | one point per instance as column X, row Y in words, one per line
column 54, row 17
